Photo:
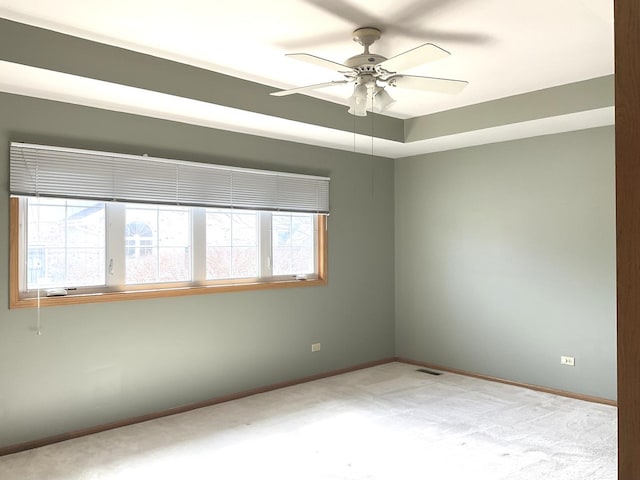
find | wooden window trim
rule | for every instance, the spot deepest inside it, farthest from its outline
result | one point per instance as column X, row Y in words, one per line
column 152, row 292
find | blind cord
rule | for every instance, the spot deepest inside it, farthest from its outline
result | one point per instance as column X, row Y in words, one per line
column 38, row 320
column 373, row 179
column 354, row 133
column 38, row 323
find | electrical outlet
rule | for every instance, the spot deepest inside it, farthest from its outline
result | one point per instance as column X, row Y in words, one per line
column 569, row 361
column 315, row 347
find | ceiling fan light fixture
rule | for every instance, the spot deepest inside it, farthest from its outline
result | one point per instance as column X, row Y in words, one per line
column 357, row 113
column 358, row 101
column 382, row 100
column 360, row 92
column 359, row 109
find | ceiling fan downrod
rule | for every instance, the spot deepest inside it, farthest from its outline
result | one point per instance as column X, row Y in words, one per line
column 366, row 37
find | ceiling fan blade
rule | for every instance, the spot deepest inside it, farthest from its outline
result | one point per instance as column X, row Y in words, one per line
column 420, row 9
column 347, row 11
column 414, row 57
column 312, row 41
column 448, row 37
column 427, row 84
column 322, row 62
column 404, row 22
column 316, row 86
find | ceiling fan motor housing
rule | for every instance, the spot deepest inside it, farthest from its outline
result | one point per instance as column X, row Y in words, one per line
column 364, row 59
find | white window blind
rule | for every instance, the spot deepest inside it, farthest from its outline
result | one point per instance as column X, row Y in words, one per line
column 73, row 173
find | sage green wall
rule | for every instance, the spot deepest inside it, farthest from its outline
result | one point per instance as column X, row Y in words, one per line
column 505, row 260
column 104, row 362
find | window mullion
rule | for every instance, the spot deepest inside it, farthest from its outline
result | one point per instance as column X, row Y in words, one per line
column 116, row 267
column 199, row 244
column 266, row 255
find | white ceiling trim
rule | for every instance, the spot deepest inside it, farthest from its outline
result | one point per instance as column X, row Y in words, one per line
column 41, row 83
column 533, row 128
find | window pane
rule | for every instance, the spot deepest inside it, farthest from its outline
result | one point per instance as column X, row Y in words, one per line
column 65, row 243
column 157, row 244
column 232, row 244
column 293, row 243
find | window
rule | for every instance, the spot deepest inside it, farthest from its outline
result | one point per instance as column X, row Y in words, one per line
column 293, row 243
column 157, row 243
column 64, row 243
column 233, row 244
column 68, row 250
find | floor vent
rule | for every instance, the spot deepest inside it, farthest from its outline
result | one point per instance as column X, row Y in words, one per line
column 430, row 372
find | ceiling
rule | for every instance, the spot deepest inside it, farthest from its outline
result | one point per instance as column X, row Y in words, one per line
column 502, row 47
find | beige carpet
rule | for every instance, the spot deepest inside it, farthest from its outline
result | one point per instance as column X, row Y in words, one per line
column 386, row 422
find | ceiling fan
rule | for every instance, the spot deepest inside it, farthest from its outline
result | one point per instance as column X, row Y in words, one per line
column 372, row 73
